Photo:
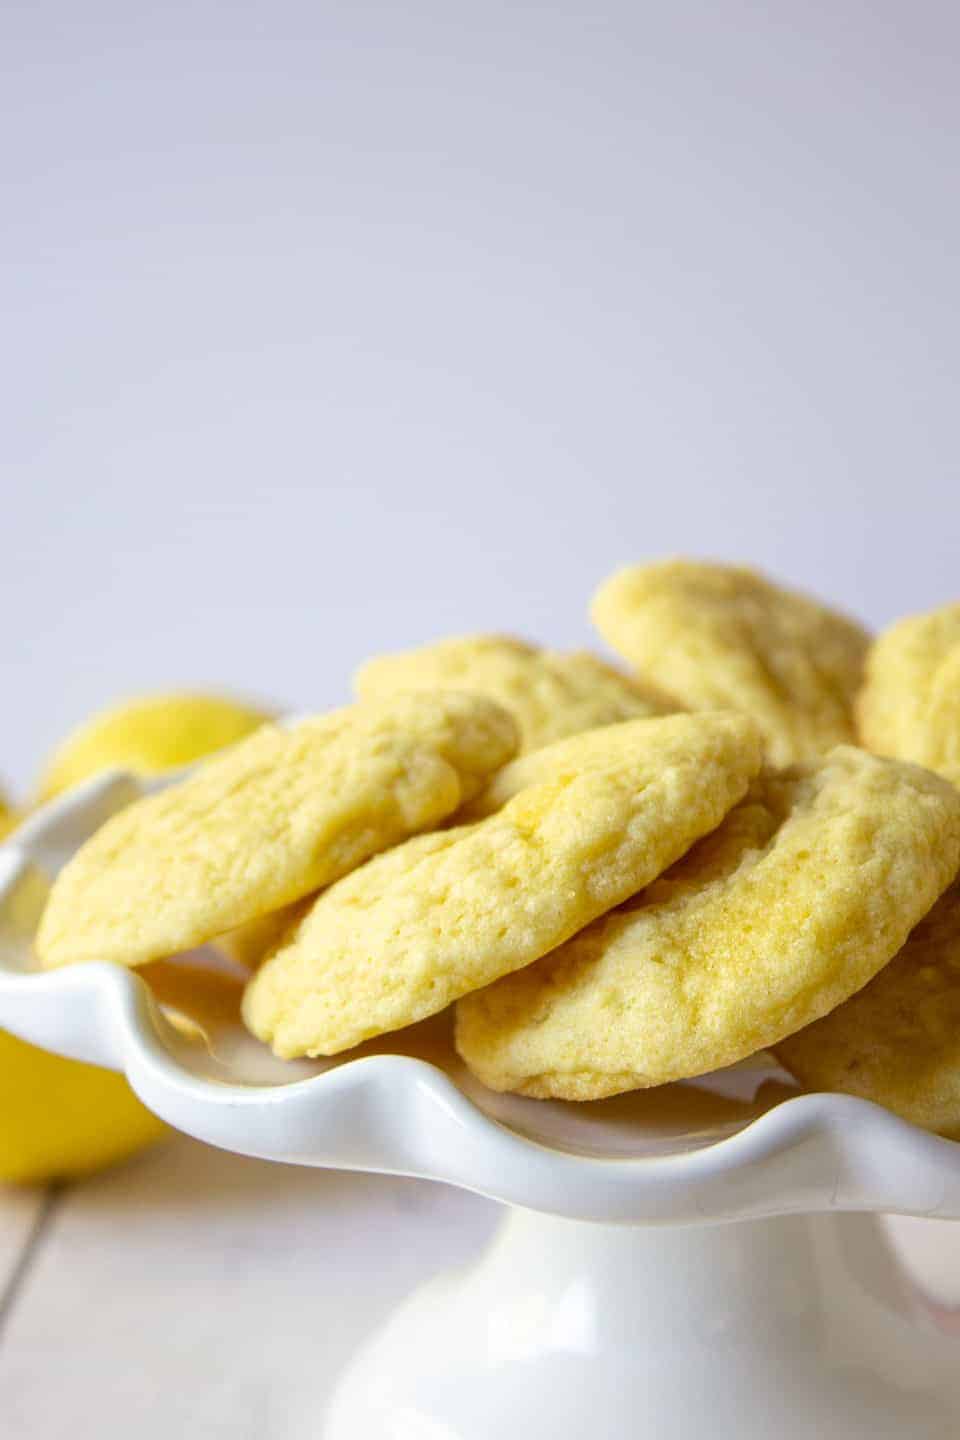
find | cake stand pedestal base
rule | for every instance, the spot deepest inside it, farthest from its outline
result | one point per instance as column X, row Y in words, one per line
column 799, row 1328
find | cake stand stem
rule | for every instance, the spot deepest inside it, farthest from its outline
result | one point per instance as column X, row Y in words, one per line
column 803, row 1328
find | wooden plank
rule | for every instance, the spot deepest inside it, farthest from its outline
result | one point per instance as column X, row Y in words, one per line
column 199, row 1293
column 929, row 1251
column 20, row 1212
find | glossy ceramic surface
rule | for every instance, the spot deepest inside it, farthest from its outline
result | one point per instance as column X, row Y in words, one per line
column 800, row 1329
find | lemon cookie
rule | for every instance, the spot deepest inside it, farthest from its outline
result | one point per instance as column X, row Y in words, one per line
column 910, row 702
column 273, row 818
column 249, row 943
column 448, row 912
column 805, row 891
column 550, row 693
column 718, row 635
column 898, row 1041
column 608, row 745
column 148, row 735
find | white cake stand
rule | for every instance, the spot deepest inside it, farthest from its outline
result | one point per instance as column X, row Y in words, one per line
column 618, row 1299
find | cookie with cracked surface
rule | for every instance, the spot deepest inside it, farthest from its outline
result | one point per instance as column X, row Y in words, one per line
column 591, row 749
column 275, row 817
column 897, row 1041
column 910, row 702
column 446, row 913
column 249, row 944
column 716, row 635
column 795, row 902
column 550, row 693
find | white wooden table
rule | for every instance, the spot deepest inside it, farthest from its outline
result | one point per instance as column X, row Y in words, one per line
column 192, row 1293
column 198, row 1295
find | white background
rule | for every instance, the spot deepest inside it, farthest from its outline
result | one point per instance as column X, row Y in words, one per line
column 329, row 328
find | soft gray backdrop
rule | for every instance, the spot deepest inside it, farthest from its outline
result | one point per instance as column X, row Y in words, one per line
column 331, row 327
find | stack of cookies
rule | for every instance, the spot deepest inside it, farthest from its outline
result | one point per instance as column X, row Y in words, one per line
column 746, row 839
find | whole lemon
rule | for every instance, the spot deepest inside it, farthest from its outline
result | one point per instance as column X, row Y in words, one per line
column 147, row 735
column 8, row 817
column 62, row 1119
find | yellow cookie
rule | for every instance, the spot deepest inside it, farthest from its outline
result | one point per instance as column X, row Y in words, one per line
column 910, row 702
column 249, row 943
column 796, row 901
column 273, row 818
column 898, row 1041
column 148, row 735
column 550, row 693
column 715, row 635
column 591, row 749
column 445, row 913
